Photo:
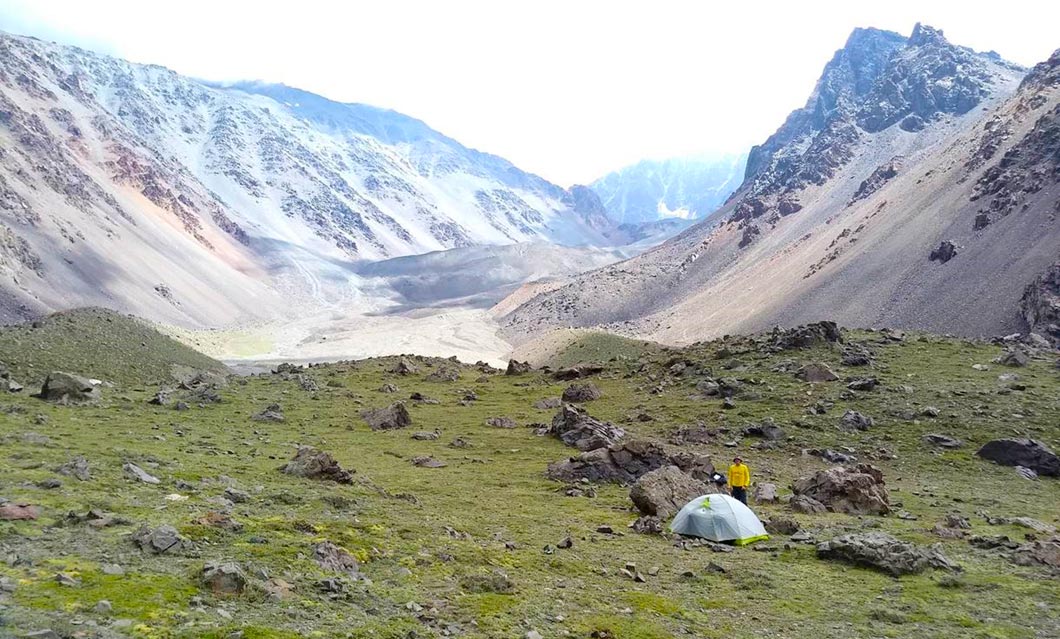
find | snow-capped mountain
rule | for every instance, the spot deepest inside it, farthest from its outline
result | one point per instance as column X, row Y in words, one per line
column 688, row 188
column 251, row 190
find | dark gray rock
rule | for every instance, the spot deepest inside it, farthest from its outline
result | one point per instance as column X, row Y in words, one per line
column 1028, row 453
column 67, row 388
column 582, row 393
column 577, row 428
column 388, row 418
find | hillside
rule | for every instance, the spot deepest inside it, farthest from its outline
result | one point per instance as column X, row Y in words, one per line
column 907, row 148
column 686, row 188
column 132, row 187
column 99, row 344
column 450, row 526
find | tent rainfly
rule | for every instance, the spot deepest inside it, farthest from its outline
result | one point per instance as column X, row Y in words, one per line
column 719, row 518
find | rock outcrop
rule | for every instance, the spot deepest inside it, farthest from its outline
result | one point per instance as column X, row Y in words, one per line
column 575, row 427
column 856, row 491
column 664, row 491
column 883, row 552
column 315, row 464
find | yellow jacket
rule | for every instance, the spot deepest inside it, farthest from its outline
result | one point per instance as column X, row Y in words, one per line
column 739, row 476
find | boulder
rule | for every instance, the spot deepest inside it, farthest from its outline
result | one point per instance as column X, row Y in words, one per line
column 548, row 403
column 853, row 420
column 224, row 578
column 501, row 422
column 161, row 540
column 18, row 512
column 577, row 428
column 765, row 493
column 515, row 367
column 1028, row 453
column 767, row 430
column 1044, row 553
column 388, row 418
column 942, row 441
column 315, row 464
column 806, row 336
column 1015, row 357
column 404, row 367
column 883, row 552
column 271, row 413
column 426, row 435
column 664, row 491
column 807, row 505
column 443, row 374
column 625, row 462
column 856, row 491
column 426, row 461
column 830, row 455
column 863, row 384
column 582, row 393
column 133, row 471
column 577, row 372
column 782, row 525
column 389, row 388
column 76, row 467
column 67, row 388
column 335, row 558
column 816, row 373
column 944, row 252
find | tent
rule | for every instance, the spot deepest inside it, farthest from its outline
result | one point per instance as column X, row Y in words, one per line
column 719, row 518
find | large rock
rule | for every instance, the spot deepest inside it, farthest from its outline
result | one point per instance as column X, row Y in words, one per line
column 1028, row 453
column 806, row 336
column 224, row 578
column 67, row 388
column 1044, row 553
column 853, row 420
column 577, row 372
column 765, row 493
column 816, row 372
column 6, row 383
column 404, row 367
column 515, row 367
column 335, row 558
column 807, row 505
column 315, row 464
column 857, row 491
column 271, row 413
column 664, row 491
column 626, row 462
column 582, row 393
column 942, row 441
column 577, row 428
column 388, row 418
column 158, row 541
column 767, row 430
column 883, row 552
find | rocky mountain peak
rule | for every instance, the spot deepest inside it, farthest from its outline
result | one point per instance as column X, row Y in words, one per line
column 924, row 35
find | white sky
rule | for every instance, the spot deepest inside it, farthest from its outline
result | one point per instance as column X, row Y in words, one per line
column 567, row 89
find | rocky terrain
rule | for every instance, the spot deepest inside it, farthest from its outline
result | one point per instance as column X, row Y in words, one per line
column 908, row 483
column 917, row 188
column 684, row 188
column 132, row 187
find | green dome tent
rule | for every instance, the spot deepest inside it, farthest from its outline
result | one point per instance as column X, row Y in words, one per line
column 719, row 518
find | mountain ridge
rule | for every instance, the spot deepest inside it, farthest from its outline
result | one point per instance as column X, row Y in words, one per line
column 794, row 244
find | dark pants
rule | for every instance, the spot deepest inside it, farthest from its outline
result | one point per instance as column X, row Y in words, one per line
column 740, row 493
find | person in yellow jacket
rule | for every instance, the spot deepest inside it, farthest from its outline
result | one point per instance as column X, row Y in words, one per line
column 739, row 479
